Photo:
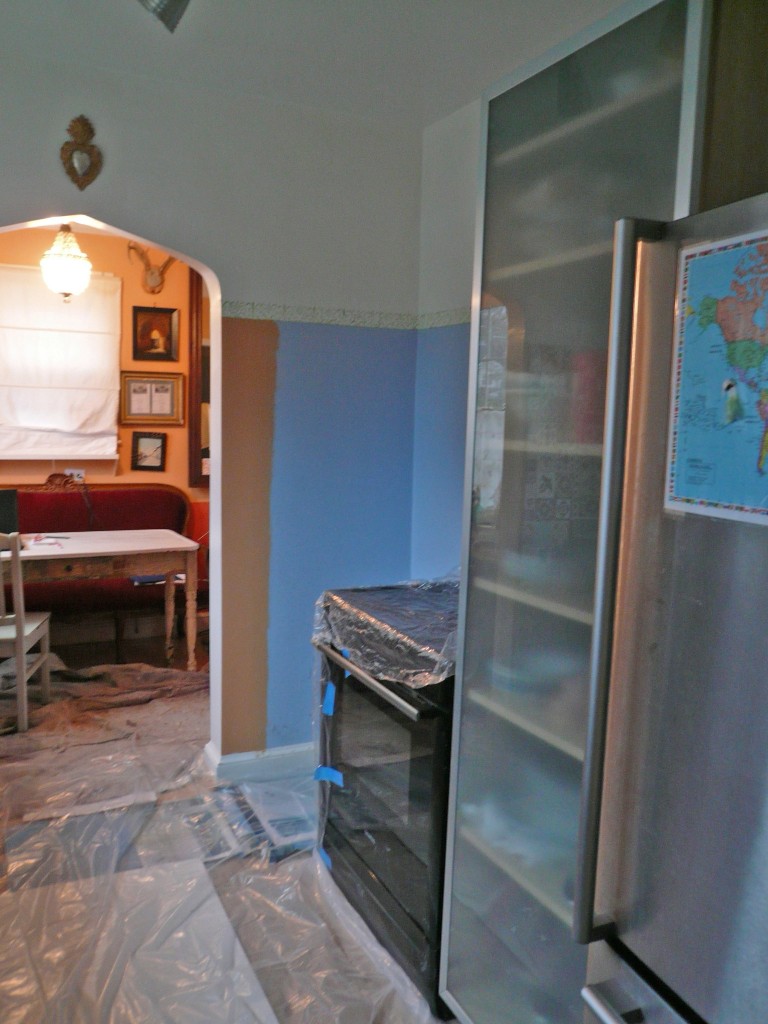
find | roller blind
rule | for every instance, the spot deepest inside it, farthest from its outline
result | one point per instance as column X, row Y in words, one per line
column 59, row 368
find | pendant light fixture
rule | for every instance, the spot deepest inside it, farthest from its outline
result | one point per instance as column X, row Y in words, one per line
column 167, row 11
column 66, row 270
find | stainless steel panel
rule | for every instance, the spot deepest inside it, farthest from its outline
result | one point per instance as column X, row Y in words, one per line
column 615, row 994
column 684, row 835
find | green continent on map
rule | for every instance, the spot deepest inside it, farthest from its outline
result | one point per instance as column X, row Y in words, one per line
column 707, row 311
column 746, row 355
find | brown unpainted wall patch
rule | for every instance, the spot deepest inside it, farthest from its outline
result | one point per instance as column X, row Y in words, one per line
column 249, row 368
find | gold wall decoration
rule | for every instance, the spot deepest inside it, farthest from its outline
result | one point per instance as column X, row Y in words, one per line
column 81, row 159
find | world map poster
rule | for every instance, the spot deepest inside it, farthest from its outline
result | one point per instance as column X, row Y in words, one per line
column 717, row 463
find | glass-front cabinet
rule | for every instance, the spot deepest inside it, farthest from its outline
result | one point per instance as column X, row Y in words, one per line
column 571, row 147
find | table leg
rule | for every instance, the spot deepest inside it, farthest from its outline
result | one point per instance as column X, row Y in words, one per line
column 170, row 608
column 190, row 589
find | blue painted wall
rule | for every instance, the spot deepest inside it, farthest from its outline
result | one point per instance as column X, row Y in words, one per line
column 341, row 497
column 440, row 412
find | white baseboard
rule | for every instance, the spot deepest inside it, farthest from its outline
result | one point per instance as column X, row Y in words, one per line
column 263, row 765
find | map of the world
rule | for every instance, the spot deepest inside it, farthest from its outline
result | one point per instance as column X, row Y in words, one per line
column 718, row 447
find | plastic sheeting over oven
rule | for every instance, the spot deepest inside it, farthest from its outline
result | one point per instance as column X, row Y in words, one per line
column 404, row 633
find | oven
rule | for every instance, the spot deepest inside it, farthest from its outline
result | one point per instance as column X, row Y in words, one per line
column 385, row 752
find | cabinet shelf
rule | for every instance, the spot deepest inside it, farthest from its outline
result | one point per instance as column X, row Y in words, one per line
column 581, row 611
column 574, row 448
column 491, row 985
column 550, row 262
column 544, row 882
column 529, row 714
column 614, row 110
column 567, row 152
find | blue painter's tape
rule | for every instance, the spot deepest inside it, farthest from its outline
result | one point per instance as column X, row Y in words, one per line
column 345, row 652
column 325, row 774
column 329, row 700
column 324, row 857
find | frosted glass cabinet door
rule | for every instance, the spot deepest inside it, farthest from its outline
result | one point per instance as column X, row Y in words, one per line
column 570, row 149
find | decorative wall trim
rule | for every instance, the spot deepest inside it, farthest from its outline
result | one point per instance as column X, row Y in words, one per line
column 344, row 317
column 318, row 315
column 446, row 318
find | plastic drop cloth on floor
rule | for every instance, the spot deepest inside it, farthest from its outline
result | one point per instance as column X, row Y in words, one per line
column 136, row 887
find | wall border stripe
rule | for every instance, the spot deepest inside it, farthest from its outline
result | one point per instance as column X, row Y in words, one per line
column 344, row 317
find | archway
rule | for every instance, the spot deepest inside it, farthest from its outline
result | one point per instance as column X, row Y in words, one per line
column 86, row 226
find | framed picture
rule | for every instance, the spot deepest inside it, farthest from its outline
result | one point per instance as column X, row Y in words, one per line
column 148, row 451
column 155, row 333
column 151, row 397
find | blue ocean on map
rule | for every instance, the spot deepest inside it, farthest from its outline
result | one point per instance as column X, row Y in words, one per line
column 718, row 461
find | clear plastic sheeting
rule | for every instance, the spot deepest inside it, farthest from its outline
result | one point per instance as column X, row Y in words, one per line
column 404, row 633
column 137, row 887
column 315, row 957
column 145, row 945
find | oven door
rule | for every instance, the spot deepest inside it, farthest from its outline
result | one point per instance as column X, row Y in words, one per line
column 386, row 817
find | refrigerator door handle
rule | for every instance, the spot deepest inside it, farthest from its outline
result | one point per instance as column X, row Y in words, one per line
column 628, row 232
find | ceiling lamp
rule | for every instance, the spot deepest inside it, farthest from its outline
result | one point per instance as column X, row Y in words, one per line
column 167, row 11
column 66, row 270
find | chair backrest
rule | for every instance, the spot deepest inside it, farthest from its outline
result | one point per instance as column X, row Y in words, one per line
column 11, row 542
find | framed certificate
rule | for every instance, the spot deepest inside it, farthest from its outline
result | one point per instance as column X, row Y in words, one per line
column 152, row 398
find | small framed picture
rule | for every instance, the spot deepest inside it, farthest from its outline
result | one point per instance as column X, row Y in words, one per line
column 148, row 451
column 151, row 397
column 155, row 333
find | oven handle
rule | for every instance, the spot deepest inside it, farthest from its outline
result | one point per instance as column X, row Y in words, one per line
column 368, row 680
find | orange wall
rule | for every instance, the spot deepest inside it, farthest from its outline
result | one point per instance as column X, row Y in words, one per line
column 109, row 254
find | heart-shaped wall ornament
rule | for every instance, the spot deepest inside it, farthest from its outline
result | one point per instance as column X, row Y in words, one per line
column 81, row 159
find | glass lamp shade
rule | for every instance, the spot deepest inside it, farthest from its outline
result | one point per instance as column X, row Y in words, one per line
column 66, row 270
column 168, row 11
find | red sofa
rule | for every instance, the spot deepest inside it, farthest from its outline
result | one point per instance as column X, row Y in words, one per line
column 65, row 507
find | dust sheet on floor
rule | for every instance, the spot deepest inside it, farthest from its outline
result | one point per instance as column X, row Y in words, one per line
column 137, row 886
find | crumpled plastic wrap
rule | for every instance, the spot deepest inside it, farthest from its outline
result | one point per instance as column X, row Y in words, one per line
column 135, row 886
column 403, row 633
column 151, row 944
column 107, row 911
column 314, row 955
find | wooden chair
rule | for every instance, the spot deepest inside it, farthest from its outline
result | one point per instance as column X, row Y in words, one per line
column 20, row 632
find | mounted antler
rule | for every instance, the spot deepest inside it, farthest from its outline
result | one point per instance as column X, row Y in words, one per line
column 153, row 280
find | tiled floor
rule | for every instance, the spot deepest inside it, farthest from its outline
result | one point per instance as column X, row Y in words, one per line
column 137, row 887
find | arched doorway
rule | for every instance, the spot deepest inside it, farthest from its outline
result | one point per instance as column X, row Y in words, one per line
column 119, row 470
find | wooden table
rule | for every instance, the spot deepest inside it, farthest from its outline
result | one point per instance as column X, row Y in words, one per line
column 110, row 554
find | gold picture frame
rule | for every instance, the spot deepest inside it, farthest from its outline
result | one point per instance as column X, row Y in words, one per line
column 152, row 398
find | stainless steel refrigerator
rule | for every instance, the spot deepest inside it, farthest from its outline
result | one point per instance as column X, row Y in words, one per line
column 672, row 882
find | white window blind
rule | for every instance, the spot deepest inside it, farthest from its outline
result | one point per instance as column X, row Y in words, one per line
column 59, row 368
